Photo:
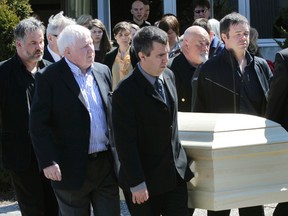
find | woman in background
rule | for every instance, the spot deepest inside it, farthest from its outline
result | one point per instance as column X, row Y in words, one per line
column 122, row 59
column 170, row 25
column 101, row 40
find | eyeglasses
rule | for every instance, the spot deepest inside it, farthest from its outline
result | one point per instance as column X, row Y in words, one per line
column 201, row 11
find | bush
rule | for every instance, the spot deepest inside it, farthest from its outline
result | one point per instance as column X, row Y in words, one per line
column 11, row 12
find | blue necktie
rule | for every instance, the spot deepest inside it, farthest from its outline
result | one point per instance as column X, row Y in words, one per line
column 160, row 88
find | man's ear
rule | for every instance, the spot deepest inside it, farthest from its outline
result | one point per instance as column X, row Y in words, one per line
column 141, row 56
column 18, row 43
column 67, row 51
column 49, row 37
column 223, row 37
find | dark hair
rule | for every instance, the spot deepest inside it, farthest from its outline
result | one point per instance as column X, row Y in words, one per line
column 203, row 22
column 169, row 22
column 105, row 45
column 27, row 25
column 121, row 26
column 201, row 3
column 144, row 38
column 231, row 19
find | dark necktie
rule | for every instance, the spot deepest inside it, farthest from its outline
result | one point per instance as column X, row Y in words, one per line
column 160, row 88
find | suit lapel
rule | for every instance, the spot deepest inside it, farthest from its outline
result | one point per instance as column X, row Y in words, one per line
column 170, row 86
column 70, row 81
column 101, row 86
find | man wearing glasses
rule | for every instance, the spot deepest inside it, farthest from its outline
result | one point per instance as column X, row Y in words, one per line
column 56, row 24
column 201, row 9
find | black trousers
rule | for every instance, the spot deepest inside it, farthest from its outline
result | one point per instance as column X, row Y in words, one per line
column 248, row 211
column 100, row 189
column 172, row 203
column 281, row 209
column 34, row 193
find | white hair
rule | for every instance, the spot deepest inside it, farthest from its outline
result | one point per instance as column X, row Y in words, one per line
column 57, row 23
column 215, row 27
column 69, row 36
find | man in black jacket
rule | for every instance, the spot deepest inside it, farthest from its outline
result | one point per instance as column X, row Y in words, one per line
column 153, row 165
column 277, row 107
column 194, row 51
column 33, row 191
column 234, row 82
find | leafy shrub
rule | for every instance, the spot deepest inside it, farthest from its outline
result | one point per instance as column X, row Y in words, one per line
column 11, row 12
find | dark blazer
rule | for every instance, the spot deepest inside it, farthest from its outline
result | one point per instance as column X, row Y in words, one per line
column 277, row 107
column 146, row 135
column 47, row 55
column 60, row 122
column 215, row 91
column 183, row 72
column 110, row 57
column 16, row 147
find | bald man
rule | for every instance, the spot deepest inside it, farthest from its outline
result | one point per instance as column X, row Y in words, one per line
column 194, row 51
column 138, row 12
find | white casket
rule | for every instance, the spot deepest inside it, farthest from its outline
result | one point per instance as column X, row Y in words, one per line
column 239, row 160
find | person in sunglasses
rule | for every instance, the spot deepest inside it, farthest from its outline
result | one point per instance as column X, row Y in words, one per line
column 201, row 9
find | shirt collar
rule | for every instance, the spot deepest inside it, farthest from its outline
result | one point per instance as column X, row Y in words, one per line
column 54, row 55
column 149, row 77
column 75, row 69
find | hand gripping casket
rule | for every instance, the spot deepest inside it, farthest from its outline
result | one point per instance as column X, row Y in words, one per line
column 239, row 160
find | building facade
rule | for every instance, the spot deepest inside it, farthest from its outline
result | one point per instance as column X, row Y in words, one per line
column 262, row 14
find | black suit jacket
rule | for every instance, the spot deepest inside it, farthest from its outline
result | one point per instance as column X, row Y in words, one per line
column 47, row 55
column 60, row 122
column 183, row 72
column 277, row 107
column 215, row 91
column 16, row 147
column 146, row 135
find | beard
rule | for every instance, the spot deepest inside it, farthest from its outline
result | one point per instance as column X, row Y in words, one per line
column 34, row 56
column 204, row 57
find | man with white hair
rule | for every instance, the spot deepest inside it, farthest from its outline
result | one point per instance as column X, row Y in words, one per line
column 70, row 128
column 194, row 51
column 56, row 24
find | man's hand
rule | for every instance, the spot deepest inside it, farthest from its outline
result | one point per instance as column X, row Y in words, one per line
column 53, row 172
column 140, row 196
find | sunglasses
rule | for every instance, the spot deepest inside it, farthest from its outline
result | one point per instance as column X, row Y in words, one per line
column 201, row 11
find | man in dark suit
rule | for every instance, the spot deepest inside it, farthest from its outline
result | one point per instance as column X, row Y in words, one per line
column 234, row 82
column 56, row 24
column 194, row 51
column 154, row 168
column 70, row 128
column 33, row 191
column 277, row 106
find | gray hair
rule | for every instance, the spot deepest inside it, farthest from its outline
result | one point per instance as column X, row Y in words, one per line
column 27, row 25
column 57, row 23
column 144, row 38
column 69, row 35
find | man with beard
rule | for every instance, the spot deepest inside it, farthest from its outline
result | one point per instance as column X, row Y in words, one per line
column 234, row 82
column 33, row 191
column 195, row 50
column 138, row 12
